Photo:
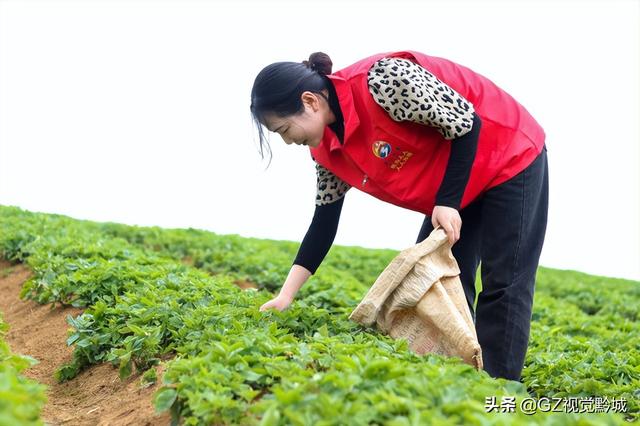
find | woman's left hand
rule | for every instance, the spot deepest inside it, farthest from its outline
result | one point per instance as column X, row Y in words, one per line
column 449, row 219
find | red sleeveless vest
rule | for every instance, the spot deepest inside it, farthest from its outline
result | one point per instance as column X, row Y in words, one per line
column 404, row 163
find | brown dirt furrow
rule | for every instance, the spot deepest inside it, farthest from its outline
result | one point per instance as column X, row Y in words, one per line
column 96, row 396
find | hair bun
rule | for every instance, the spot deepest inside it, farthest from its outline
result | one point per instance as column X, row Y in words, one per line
column 319, row 62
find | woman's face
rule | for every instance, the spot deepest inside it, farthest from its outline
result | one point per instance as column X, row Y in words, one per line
column 306, row 128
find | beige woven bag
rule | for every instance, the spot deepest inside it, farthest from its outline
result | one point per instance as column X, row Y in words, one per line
column 419, row 297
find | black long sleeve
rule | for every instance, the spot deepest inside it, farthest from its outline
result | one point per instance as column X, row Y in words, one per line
column 320, row 236
column 463, row 153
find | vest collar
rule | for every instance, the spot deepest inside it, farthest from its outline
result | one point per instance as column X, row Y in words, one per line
column 351, row 119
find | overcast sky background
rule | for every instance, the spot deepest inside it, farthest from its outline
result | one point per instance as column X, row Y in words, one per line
column 138, row 112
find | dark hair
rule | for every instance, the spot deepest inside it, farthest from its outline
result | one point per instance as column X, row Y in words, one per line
column 278, row 88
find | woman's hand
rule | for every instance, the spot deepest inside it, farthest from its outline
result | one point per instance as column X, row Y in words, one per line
column 279, row 302
column 449, row 219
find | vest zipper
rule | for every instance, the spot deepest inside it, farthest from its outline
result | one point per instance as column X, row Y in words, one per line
column 364, row 181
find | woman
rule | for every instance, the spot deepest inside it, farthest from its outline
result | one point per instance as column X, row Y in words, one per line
column 433, row 136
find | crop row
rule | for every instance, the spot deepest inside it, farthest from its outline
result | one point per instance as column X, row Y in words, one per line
column 152, row 295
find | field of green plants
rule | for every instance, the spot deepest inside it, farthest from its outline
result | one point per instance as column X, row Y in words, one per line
column 21, row 399
column 154, row 295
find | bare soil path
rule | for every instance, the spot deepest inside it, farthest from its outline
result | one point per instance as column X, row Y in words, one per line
column 96, row 396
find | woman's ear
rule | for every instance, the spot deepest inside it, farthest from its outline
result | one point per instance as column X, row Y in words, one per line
column 311, row 99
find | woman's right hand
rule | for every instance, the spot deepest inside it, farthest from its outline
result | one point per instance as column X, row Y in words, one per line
column 279, row 302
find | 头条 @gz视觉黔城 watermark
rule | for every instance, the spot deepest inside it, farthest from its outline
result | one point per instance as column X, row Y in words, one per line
column 530, row 405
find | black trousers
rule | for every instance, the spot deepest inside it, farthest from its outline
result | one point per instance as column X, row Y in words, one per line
column 504, row 230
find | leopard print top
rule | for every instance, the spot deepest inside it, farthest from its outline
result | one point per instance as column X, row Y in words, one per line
column 408, row 92
column 330, row 186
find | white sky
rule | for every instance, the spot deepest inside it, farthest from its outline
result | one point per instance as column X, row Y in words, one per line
column 138, row 112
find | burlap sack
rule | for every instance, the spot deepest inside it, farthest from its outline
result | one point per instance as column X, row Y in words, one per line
column 419, row 297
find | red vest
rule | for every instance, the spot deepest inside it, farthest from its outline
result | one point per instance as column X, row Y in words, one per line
column 404, row 163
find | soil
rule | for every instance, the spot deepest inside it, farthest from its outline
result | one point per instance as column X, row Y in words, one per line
column 96, row 396
column 244, row 284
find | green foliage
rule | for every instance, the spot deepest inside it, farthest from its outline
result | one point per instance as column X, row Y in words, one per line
column 151, row 294
column 21, row 399
column 585, row 338
column 149, row 377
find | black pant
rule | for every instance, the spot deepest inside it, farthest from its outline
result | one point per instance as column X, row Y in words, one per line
column 504, row 229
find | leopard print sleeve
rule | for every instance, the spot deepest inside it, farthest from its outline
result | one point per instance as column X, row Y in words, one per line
column 330, row 187
column 407, row 91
